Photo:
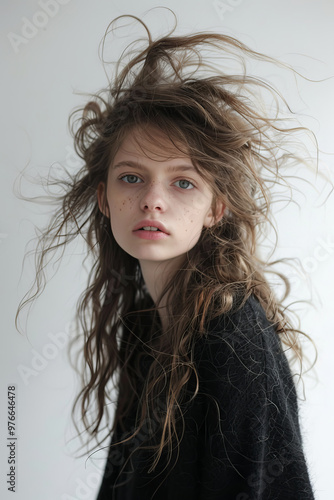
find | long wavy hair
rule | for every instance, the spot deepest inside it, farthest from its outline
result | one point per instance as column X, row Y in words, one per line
column 241, row 148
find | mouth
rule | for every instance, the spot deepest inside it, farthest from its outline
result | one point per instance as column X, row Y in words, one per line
column 153, row 226
column 149, row 228
column 151, row 233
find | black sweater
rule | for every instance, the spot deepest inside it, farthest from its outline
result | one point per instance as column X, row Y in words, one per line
column 253, row 451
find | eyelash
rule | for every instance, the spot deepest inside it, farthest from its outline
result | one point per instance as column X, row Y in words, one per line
column 132, row 175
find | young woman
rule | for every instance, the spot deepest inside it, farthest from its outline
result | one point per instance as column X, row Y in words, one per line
column 180, row 161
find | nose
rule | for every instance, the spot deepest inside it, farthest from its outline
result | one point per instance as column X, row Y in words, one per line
column 153, row 198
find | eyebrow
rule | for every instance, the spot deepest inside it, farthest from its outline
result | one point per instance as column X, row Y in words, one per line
column 130, row 163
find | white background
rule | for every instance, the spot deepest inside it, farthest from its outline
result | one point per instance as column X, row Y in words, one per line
column 39, row 79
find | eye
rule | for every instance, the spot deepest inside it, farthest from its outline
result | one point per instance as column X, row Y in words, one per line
column 131, row 178
column 187, row 182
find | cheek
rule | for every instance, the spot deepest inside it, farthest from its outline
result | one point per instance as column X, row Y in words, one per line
column 190, row 228
column 194, row 216
column 199, row 204
column 120, row 205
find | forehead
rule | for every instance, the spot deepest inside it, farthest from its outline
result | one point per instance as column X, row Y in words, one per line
column 152, row 143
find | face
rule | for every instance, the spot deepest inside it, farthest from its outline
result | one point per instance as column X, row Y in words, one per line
column 153, row 182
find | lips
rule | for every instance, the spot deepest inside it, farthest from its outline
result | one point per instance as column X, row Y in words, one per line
column 151, row 223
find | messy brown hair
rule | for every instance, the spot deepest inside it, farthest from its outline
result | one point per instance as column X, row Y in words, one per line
column 241, row 151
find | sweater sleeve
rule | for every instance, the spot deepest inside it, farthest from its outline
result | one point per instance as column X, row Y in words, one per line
column 250, row 444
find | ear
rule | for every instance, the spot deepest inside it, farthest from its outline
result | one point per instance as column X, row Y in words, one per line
column 210, row 220
column 101, row 199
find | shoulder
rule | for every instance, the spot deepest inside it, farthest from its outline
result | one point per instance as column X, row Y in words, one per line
column 242, row 347
column 249, row 315
column 247, row 326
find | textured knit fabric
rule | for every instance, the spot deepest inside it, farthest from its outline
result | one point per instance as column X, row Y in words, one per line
column 253, row 451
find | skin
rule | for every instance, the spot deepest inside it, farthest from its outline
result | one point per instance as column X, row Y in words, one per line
column 181, row 200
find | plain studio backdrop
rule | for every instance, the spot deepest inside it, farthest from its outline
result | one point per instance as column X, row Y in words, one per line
column 49, row 55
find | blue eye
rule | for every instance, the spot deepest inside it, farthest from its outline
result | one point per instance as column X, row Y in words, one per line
column 188, row 182
column 132, row 179
column 130, row 176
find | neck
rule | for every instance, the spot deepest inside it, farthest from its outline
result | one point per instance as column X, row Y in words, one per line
column 156, row 275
